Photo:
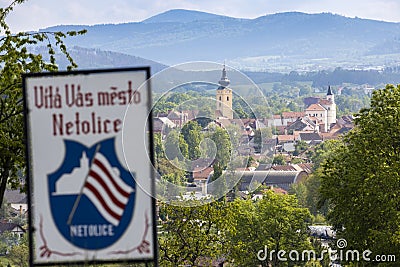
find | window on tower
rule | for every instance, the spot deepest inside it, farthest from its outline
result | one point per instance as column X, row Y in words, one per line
column 220, row 98
column 227, row 98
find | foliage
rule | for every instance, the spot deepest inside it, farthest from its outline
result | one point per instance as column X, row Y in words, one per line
column 308, row 191
column 308, row 195
column 158, row 147
column 217, row 171
column 300, row 147
column 191, row 133
column 15, row 60
column 19, row 254
column 233, row 131
column 361, row 181
column 4, row 210
column 193, row 233
column 313, row 264
column 175, row 146
column 7, row 240
column 260, row 136
column 323, row 151
column 279, row 160
column 301, row 193
column 275, row 222
column 250, row 161
column 223, row 145
column 169, row 163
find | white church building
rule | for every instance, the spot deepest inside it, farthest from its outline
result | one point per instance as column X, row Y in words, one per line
column 324, row 111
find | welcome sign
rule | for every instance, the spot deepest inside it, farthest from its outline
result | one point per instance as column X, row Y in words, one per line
column 90, row 171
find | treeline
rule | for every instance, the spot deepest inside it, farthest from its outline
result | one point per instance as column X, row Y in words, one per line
column 243, row 232
column 336, row 77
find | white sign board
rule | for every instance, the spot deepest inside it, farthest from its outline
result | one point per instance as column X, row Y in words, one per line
column 90, row 173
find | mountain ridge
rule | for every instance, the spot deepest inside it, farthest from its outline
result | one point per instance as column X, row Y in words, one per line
column 183, row 15
column 287, row 38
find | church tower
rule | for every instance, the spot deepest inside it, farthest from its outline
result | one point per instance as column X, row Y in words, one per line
column 331, row 107
column 224, row 97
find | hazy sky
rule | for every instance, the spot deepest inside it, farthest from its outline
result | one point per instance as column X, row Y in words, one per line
column 36, row 14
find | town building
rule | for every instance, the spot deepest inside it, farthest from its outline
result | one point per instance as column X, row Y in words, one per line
column 13, row 228
column 324, row 110
column 224, row 97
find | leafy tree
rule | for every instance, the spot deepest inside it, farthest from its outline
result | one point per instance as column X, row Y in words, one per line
column 16, row 59
column 323, row 151
column 7, row 240
column 217, row 171
column 223, row 145
column 239, row 113
column 19, row 253
column 260, row 136
column 300, row 147
column 234, row 133
column 361, row 179
column 313, row 198
column 300, row 190
column 194, row 233
column 4, row 210
column 305, row 90
column 219, row 187
column 275, row 222
column 279, row 160
column 250, row 161
column 158, row 147
column 308, row 191
column 163, row 106
column 178, row 98
column 313, row 264
column 297, row 160
column 308, row 194
column 191, row 133
column 175, row 146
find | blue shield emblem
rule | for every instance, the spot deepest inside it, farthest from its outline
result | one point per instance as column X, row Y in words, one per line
column 92, row 196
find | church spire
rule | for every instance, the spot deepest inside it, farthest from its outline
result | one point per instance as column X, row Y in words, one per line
column 329, row 91
column 224, row 82
column 224, row 97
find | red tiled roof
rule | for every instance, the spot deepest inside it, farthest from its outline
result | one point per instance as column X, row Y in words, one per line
column 328, row 136
column 283, row 168
column 324, row 102
column 202, row 173
column 307, row 167
column 224, row 122
column 282, row 138
column 317, row 107
column 280, row 129
column 290, row 114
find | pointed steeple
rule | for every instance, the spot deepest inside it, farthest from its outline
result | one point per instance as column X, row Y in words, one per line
column 224, row 82
column 329, row 91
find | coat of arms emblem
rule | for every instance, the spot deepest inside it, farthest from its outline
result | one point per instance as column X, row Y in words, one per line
column 92, row 195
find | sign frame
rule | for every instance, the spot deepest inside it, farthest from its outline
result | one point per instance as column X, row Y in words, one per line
column 152, row 227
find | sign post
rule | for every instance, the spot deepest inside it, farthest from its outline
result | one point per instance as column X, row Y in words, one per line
column 90, row 170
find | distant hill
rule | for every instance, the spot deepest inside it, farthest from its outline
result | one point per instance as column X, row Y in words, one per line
column 182, row 16
column 282, row 39
column 90, row 58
